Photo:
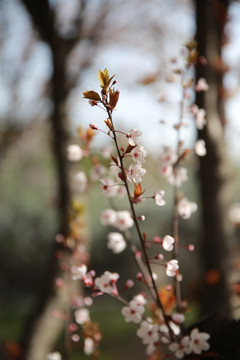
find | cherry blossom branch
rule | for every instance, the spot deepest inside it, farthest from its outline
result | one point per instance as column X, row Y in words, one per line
column 156, row 297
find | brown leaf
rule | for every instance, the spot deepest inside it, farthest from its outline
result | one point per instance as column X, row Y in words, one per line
column 137, row 190
column 109, row 124
column 91, row 95
column 114, row 96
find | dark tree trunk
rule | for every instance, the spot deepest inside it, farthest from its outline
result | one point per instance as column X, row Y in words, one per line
column 215, row 170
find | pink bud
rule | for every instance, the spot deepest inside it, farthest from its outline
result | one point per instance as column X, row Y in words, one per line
column 72, row 327
column 168, row 287
column 59, row 238
column 59, row 282
column 157, row 240
column 75, row 337
column 159, row 257
column 138, row 254
column 129, row 284
column 93, row 126
column 139, row 276
column 191, row 247
column 141, row 218
column 92, row 102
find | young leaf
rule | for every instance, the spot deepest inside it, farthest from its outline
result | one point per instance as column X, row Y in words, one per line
column 91, row 95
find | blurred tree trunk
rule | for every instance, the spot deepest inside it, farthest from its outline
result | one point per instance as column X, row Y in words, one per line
column 43, row 329
column 215, row 168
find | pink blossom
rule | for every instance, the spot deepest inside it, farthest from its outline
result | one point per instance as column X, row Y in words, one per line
column 124, row 220
column 138, row 154
column 172, row 267
column 186, row 208
column 168, row 242
column 133, row 312
column 158, row 198
column 133, row 136
column 202, row 85
column 74, row 152
column 82, row 316
column 199, row 342
column 148, row 332
column 116, row 242
column 200, row 148
column 135, row 173
column 109, row 217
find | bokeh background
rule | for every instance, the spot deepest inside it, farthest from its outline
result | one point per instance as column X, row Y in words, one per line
column 50, row 52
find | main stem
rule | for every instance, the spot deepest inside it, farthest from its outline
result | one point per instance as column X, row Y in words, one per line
column 156, row 297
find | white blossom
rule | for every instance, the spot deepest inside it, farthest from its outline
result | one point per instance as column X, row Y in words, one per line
column 200, row 148
column 135, row 173
column 133, row 312
column 108, row 217
column 198, row 342
column 105, row 281
column 138, row 154
column 82, row 316
column 172, row 267
column 108, row 187
column 178, row 176
column 178, row 318
column 200, row 118
column 148, row 332
column 116, row 242
column 168, row 242
column 168, row 155
column 182, row 348
column 151, row 348
column 81, row 181
column 54, row 356
column 202, row 85
column 79, row 271
column 89, row 346
column 158, row 198
column 186, row 208
column 124, row 220
column 97, row 172
column 140, row 299
column 74, row 152
column 133, row 136
column 234, row 213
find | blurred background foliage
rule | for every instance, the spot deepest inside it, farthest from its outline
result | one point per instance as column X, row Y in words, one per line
column 50, row 52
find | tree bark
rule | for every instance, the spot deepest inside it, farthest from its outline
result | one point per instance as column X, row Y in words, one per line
column 215, row 171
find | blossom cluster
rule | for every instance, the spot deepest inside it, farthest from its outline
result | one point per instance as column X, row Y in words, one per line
column 159, row 322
